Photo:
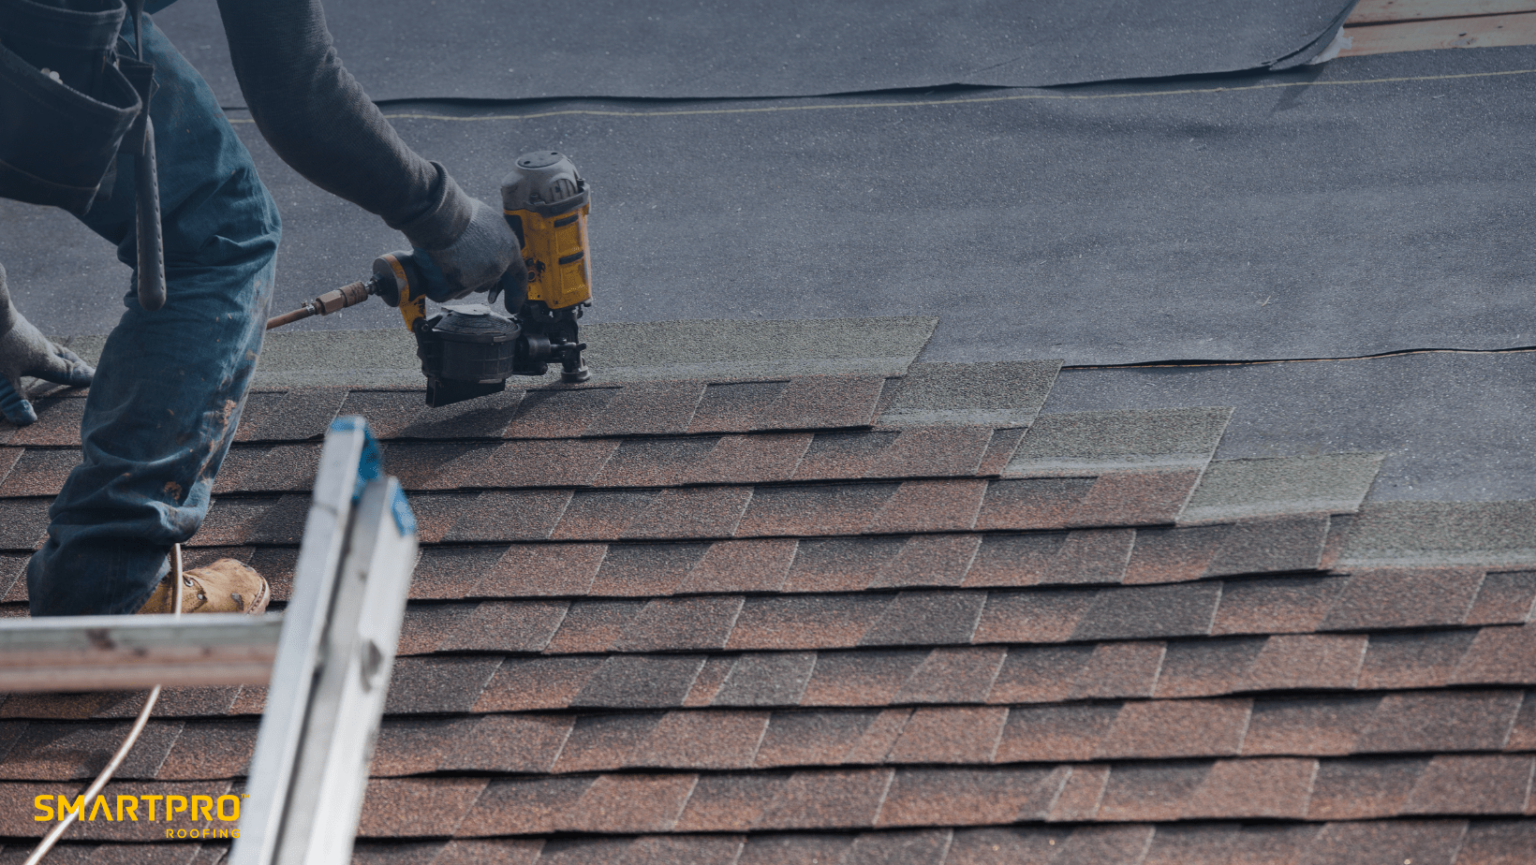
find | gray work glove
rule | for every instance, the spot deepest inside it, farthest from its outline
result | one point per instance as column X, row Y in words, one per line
column 486, row 256
column 25, row 351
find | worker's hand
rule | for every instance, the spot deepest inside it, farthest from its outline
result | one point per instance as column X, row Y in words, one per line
column 25, row 351
column 484, row 257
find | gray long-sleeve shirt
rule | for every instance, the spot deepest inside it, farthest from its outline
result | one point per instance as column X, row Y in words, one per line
column 319, row 121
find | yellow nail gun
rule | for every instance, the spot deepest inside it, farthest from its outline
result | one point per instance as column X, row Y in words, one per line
column 471, row 350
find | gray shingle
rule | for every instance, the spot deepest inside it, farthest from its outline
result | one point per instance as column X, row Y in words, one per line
column 1233, row 489
column 1432, row 534
column 1091, row 442
column 993, row 393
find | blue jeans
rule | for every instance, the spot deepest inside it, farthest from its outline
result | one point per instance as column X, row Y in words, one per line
column 170, row 384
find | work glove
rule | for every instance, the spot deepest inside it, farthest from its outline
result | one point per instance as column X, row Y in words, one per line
column 486, row 256
column 25, row 351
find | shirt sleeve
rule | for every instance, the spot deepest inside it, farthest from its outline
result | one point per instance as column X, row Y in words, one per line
column 319, row 121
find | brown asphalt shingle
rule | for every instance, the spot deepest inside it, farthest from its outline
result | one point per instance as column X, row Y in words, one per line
column 749, row 622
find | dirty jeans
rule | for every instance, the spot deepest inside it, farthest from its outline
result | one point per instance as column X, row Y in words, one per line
column 170, row 384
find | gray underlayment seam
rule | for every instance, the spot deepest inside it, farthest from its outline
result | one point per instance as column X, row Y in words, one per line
column 1441, row 534
column 1092, row 442
column 991, row 393
column 1234, row 489
column 617, row 352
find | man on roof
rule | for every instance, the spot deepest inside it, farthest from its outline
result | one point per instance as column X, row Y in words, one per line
column 165, row 401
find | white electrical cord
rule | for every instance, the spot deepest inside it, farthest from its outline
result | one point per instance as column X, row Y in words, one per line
column 133, row 736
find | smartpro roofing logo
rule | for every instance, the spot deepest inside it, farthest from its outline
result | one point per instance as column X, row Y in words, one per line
column 170, row 809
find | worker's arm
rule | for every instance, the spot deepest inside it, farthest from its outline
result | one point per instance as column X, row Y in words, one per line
column 319, row 120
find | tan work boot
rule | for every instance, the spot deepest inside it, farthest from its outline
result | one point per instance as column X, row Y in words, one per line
column 226, row 586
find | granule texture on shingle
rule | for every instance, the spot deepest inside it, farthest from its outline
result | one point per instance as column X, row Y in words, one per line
column 996, row 393
column 1235, row 489
column 1441, row 534
column 1091, row 442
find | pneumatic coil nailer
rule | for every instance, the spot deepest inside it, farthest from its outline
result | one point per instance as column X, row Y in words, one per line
column 471, row 350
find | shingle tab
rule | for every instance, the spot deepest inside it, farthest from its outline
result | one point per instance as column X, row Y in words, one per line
column 756, row 459
column 930, row 506
column 1032, row 503
column 1119, row 670
column 776, row 679
column 993, row 393
column 809, row 738
column 1474, row 784
column 1085, row 443
column 695, row 512
column 603, row 742
column 862, row 678
column 840, row 564
column 1164, row 729
column 1499, row 655
column 525, row 570
column 672, row 624
column 558, row 413
column 812, row 622
column 34, row 471
column 1441, row 534
column 1441, row 721
column 1127, row 498
column 1312, row 726
column 929, row 561
column 1505, row 598
column 1150, row 611
column 417, row 465
column 932, row 452
column 1236, row 489
column 1363, row 789
column 1055, row 733
column 1405, row 599
column 703, row 740
column 653, row 462
column 511, row 516
column 645, row 570
column 812, row 402
column 544, row 463
column 1428, row 842
column 742, row 566
column 827, row 799
column 1274, row 789
column 640, row 682
column 1039, row 675
column 954, row 675
column 734, row 407
column 927, row 618
column 813, row 510
column 950, row 734
column 648, row 408
column 843, row 454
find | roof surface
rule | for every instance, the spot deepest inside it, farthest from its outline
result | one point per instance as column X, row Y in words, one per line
column 771, row 592
column 815, row 619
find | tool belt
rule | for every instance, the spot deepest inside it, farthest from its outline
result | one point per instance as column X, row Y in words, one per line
column 73, row 95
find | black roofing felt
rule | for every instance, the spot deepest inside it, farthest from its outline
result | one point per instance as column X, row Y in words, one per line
column 1317, row 213
column 659, row 49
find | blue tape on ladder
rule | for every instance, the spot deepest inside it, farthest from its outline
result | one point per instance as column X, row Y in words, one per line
column 370, row 465
column 405, row 521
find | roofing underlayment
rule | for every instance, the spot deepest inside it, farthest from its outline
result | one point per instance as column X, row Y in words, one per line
column 947, row 586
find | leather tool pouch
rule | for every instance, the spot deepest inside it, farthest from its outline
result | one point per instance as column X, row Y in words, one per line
column 61, row 129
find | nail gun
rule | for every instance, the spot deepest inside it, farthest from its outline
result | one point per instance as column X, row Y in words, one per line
column 471, row 350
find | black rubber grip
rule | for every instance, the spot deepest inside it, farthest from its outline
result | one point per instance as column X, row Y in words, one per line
column 573, row 257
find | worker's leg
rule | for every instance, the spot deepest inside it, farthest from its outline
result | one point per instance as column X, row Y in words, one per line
column 171, row 383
